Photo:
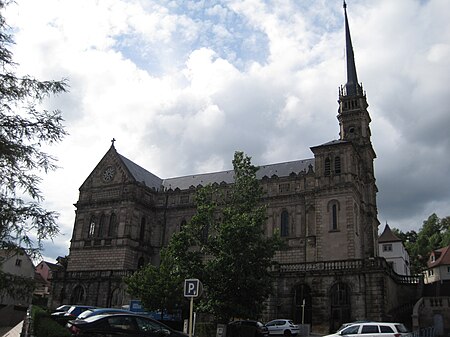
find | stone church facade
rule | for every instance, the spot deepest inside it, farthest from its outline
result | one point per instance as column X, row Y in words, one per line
column 324, row 207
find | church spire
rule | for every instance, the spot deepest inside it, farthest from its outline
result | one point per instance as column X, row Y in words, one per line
column 352, row 87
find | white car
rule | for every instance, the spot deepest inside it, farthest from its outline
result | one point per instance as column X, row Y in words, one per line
column 372, row 329
column 282, row 327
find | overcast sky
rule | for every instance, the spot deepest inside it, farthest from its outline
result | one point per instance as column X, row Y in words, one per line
column 181, row 85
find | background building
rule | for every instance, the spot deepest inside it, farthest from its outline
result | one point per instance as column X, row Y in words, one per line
column 17, row 267
column 392, row 249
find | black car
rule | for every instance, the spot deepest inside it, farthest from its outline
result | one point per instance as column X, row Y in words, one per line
column 124, row 325
column 248, row 328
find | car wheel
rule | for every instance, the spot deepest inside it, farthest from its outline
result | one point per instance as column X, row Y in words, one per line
column 287, row 333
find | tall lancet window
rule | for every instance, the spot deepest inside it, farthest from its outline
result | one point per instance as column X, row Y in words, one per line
column 337, row 165
column 92, row 223
column 327, row 166
column 284, row 223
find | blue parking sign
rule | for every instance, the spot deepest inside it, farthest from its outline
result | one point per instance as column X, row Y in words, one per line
column 192, row 287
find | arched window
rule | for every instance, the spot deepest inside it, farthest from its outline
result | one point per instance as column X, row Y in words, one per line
column 141, row 262
column 340, row 305
column 142, row 230
column 117, row 298
column 310, row 221
column 112, row 231
column 101, row 226
column 333, row 211
column 284, row 223
column 327, row 166
column 337, row 165
column 334, row 217
column 92, row 225
column 182, row 224
column 78, row 295
column 205, row 234
column 303, row 303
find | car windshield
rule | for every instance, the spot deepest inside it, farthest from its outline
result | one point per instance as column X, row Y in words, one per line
column 85, row 313
column 351, row 330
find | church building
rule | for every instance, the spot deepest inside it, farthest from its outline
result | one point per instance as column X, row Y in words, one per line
column 324, row 207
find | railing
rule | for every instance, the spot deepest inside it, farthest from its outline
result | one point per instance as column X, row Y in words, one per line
column 91, row 274
column 425, row 332
column 345, row 265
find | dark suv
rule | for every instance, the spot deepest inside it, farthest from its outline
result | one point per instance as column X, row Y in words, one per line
column 246, row 328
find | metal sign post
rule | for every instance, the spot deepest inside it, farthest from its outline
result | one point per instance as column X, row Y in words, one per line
column 192, row 288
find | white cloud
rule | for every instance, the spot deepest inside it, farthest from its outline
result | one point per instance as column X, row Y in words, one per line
column 182, row 85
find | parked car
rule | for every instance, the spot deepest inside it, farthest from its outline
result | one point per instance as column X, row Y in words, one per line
column 119, row 324
column 373, row 329
column 61, row 311
column 259, row 328
column 75, row 310
column 282, row 327
column 101, row 311
column 343, row 326
column 63, row 308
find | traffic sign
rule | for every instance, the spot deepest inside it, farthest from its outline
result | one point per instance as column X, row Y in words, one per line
column 192, row 287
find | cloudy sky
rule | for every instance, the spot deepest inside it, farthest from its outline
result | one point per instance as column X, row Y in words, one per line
column 183, row 84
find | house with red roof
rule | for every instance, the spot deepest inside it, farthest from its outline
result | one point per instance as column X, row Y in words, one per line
column 438, row 266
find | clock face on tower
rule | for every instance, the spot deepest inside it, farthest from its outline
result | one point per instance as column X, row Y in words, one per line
column 108, row 173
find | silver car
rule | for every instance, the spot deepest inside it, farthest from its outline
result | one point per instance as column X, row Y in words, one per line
column 282, row 327
column 372, row 329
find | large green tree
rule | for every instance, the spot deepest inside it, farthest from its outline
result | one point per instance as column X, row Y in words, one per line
column 434, row 234
column 25, row 128
column 223, row 245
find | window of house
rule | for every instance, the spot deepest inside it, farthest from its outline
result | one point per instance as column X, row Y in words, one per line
column 18, row 262
column 432, row 258
column 387, row 247
column 284, row 223
column 430, row 272
column 448, row 269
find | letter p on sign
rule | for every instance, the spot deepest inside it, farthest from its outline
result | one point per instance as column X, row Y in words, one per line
column 191, row 287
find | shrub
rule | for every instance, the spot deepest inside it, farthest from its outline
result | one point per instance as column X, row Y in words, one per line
column 45, row 326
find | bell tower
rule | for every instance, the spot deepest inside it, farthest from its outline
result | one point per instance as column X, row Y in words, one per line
column 354, row 120
column 353, row 116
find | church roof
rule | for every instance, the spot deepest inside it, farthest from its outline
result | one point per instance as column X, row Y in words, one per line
column 332, row 142
column 141, row 174
column 352, row 85
column 279, row 170
column 388, row 236
column 185, row 182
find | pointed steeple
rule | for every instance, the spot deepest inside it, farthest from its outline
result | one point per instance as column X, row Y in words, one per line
column 351, row 87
